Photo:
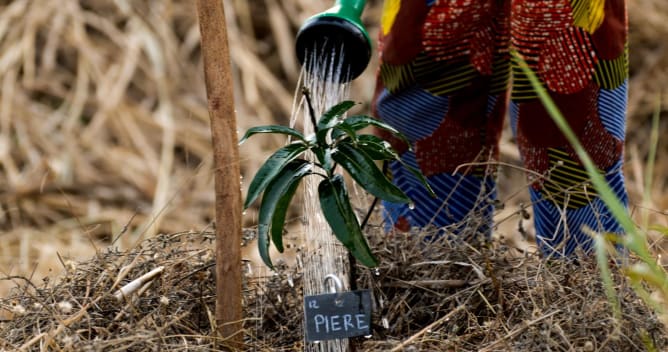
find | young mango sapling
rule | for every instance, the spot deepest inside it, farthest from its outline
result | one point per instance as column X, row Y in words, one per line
column 337, row 140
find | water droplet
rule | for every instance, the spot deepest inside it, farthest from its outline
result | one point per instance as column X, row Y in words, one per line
column 411, row 206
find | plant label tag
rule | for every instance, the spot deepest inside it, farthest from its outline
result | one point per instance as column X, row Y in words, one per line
column 337, row 315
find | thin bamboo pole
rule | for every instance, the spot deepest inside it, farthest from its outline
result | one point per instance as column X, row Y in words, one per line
column 220, row 93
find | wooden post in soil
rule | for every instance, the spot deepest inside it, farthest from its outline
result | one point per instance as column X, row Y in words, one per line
column 220, row 93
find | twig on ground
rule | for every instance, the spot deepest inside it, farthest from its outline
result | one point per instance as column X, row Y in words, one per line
column 428, row 328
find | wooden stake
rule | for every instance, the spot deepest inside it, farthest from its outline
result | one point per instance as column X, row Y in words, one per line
column 220, row 93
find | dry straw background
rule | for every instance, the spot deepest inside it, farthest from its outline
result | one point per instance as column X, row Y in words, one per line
column 104, row 133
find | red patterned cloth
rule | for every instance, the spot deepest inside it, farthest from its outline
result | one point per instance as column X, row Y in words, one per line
column 447, row 81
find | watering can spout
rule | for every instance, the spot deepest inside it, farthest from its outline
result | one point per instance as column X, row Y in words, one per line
column 338, row 36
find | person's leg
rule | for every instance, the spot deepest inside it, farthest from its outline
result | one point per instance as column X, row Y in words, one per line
column 578, row 49
column 443, row 81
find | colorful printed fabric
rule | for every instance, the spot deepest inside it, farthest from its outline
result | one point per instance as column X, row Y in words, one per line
column 446, row 80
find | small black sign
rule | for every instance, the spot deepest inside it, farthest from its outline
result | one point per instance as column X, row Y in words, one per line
column 337, row 315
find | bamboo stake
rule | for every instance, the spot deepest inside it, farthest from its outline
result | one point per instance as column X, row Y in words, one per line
column 220, row 93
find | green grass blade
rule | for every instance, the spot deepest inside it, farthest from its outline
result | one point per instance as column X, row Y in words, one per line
column 634, row 240
column 605, row 192
column 606, row 275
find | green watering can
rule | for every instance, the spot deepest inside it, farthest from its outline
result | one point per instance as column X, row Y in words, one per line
column 329, row 31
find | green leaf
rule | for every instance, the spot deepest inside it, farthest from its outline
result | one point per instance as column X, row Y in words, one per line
column 273, row 129
column 375, row 147
column 606, row 275
column 281, row 207
column 342, row 129
column 324, row 156
column 642, row 272
column 359, row 122
column 274, row 164
column 338, row 212
column 660, row 229
column 271, row 216
column 420, row 176
column 378, row 149
column 365, row 172
column 329, row 118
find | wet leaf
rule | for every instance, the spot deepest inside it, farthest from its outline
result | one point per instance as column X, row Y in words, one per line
column 274, row 165
column 271, row 216
column 375, row 147
column 273, row 129
column 420, row 176
column 378, row 149
column 365, row 172
column 359, row 122
column 338, row 212
column 329, row 118
column 342, row 130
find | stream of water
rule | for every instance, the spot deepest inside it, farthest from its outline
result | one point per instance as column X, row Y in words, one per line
column 322, row 254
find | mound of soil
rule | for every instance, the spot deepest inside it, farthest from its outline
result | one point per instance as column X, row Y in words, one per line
column 428, row 296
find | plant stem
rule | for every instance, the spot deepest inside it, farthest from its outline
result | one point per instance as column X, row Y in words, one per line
column 353, row 271
column 311, row 112
column 368, row 214
column 351, row 258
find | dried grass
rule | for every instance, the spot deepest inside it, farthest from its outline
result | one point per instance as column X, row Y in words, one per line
column 444, row 296
column 436, row 296
column 103, row 122
column 81, row 312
